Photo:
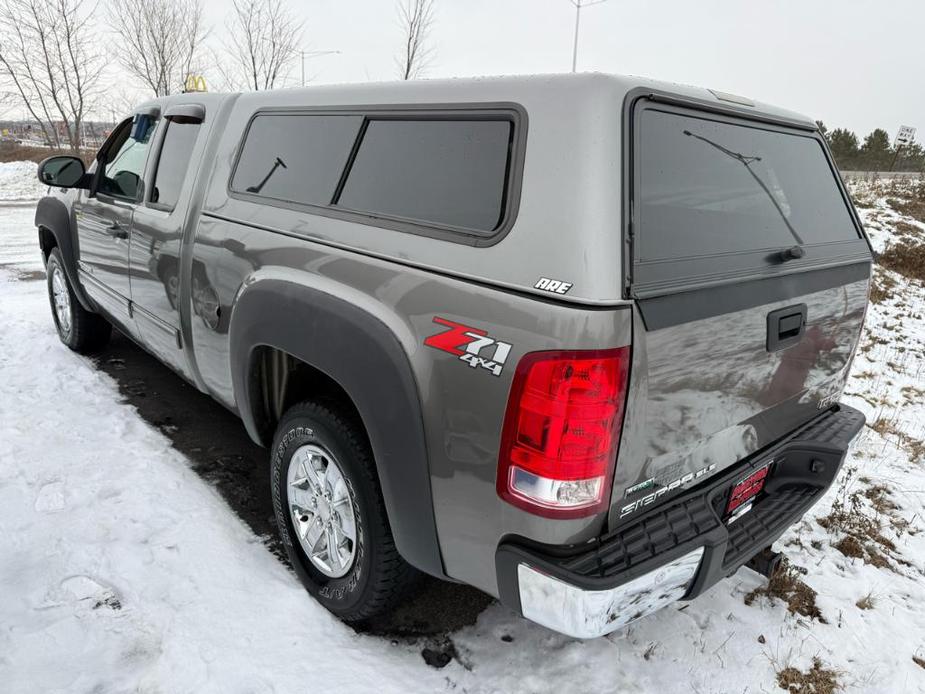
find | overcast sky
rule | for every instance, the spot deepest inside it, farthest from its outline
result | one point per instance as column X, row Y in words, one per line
column 853, row 63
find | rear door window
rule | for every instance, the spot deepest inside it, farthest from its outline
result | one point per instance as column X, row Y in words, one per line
column 445, row 172
column 714, row 196
column 295, row 158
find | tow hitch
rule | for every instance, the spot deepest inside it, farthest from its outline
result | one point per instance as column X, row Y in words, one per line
column 765, row 562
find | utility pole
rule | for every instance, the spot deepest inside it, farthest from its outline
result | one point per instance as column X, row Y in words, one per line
column 313, row 54
column 578, row 5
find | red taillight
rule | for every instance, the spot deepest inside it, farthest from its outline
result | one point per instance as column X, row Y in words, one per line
column 561, row 431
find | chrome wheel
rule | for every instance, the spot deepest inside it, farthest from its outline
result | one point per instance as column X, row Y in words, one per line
column 322, row 510
column 61, row 299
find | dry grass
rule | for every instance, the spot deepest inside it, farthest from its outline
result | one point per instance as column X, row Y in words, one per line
column 906, row 230
column 882, row 287
column 887, row 427
column 912, row 394
column 785, row 584
column 861, row 536
column 878, row 293
column 863, row 197
column 860, row 520
column 907, row 197
column 906, row 257
column 879, row 497
column 817, row 680
column 911, row 207
column 10, row 151
column 866, row 603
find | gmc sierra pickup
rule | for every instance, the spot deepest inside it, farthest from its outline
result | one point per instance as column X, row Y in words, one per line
column 578, row 341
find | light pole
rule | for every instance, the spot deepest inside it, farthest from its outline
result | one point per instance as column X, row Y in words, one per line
column 578, row 5
column 313, row 54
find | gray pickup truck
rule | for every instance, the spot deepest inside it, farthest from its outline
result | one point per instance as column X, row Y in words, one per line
column 577, row 341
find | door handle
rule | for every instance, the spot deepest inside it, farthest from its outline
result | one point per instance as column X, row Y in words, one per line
column 786, row 327
column 116, row 231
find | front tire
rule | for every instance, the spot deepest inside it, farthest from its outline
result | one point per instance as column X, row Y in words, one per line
column 78, row 328
column 331, row 515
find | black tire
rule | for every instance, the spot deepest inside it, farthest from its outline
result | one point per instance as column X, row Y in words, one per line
column 86, row 332
column 379, row 577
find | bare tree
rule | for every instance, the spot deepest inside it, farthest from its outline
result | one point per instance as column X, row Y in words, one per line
column 158, row 41
column 48, row 63
column 416, row 18
column 265, row 36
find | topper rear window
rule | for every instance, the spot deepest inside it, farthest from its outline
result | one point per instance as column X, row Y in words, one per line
column 714, row 196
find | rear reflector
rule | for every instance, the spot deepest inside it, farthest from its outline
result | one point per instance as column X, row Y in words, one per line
column 561, row 431
column 747, row 489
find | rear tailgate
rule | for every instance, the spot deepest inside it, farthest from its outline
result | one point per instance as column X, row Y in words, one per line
column 750, row 273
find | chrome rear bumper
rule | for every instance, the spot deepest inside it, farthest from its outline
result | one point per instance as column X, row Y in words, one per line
column 679, row 548
column 586, row 614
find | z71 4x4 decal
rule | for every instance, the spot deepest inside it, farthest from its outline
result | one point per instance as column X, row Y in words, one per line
column 471, row 345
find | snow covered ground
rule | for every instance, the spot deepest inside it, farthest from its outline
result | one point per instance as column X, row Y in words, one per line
column 121, row 570
column 18, row 181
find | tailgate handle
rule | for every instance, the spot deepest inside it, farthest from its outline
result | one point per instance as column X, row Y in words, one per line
column 786, row 327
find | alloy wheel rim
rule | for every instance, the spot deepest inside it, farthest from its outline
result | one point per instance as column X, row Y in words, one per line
column 61, row 299
column 321, row 508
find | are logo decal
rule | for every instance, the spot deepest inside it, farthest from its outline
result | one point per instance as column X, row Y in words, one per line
column 471, row 345
column 551, row 285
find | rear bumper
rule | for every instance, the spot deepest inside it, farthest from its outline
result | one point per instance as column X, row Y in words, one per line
column 678, row 549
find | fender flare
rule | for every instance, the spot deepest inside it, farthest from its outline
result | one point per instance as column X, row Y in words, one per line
column 364, row 356
column 54, row 216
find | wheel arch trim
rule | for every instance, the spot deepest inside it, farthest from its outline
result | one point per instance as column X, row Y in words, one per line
column 366, row 359
column 52, row 215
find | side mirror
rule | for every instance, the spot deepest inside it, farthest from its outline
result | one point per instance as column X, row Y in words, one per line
column 62, row 172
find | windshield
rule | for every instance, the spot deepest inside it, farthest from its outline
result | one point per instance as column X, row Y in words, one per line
column 707, row 187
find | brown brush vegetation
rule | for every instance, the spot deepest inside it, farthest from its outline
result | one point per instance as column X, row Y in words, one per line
column 785, row 585
column 906, row 257
column 12, row 151
column 817, row 680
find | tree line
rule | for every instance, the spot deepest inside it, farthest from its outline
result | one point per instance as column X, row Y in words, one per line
column 875, row 153
column 53, row 54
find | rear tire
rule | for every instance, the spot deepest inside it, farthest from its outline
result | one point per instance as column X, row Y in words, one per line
column 363, row 577
column 78, row 328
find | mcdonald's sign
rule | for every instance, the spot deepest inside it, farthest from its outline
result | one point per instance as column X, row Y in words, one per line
column 194, row 83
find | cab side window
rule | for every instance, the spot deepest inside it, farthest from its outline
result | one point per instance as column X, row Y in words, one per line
column 176, row 151
column 124, row 163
